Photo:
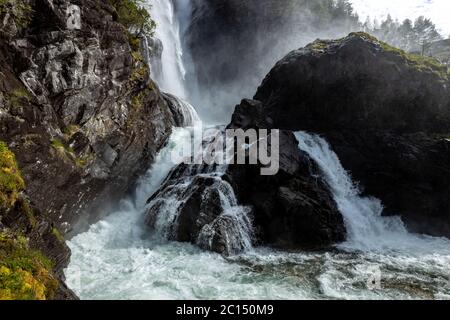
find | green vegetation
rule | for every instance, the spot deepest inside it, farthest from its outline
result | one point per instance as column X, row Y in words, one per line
column 57, row 234
column 57, row 144
column 422, row 63
column 137, row 100
column 318, row 45
column 19, row 10
column 11, row 181
column 25, row 274
column 140, row 71
column 18, row 97
column 412, row 36
column 135, row 18
column 67, row 153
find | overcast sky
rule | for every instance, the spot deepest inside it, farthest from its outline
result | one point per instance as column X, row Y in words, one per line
column 437, row 10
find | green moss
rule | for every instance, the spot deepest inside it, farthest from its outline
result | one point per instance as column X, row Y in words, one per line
column 138, row 100
column 421, row 63
column 139, row 74
column 19, row 10
column 11, row 181
column 137, row 56
column 25, row 208
column 133, row 16
column 57, row 234
column 70, row 130
column 18, row 97
column 57, row 144
column 25, row 274
column 151, row 86
column 318, row 45
column 68, row 153
column 134, row 41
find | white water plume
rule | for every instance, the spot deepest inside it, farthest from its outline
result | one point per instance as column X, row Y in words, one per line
column 367, row 229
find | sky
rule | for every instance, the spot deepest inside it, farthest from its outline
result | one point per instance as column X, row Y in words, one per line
column 437, row 10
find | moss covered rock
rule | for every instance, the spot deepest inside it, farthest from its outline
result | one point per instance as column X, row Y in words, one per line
column 356, row 82
column 25, row 274
column 11, row 181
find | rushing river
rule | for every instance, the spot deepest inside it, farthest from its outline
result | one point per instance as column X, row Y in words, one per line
column 118, row 258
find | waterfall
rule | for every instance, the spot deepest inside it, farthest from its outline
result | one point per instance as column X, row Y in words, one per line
column 184, row 113
column 367, row 229
column 172, row 75
column 163, row 53
column 226, row 227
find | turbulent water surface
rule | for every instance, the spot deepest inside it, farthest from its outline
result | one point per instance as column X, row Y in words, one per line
column 119, row 258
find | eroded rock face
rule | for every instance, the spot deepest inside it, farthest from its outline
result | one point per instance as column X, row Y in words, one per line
column 81, row 112
column 385, row 113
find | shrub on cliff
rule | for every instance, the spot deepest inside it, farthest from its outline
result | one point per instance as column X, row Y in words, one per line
column 11, row 182
column 18, row 10
column 133, row 16
column 25, row 274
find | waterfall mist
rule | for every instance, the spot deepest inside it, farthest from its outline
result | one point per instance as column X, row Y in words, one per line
column 231, row 44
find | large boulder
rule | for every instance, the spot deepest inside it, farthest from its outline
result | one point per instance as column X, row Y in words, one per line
column 386, row 113
column 229, row 209
column 293, row 209
column 357, row 83
column 196, row 205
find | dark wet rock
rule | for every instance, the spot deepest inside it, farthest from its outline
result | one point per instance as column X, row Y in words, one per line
column 293, row 209
column 82, row 115
column 356, row 83
column 196, row 205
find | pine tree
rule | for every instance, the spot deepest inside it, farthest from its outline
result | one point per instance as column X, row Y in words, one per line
column 425, row 33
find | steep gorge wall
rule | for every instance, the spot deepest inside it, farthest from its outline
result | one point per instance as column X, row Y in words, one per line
column 80, row 120
column 78, row 108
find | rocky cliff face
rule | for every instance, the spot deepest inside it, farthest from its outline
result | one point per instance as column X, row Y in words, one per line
column 82, row 116
column 386, row 114
column 78, row 108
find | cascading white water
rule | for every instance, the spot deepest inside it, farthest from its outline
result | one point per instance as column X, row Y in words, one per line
column 172, row 75
column 233, row 224
column 185, row 114
column 168, row 70
column 367, row 228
